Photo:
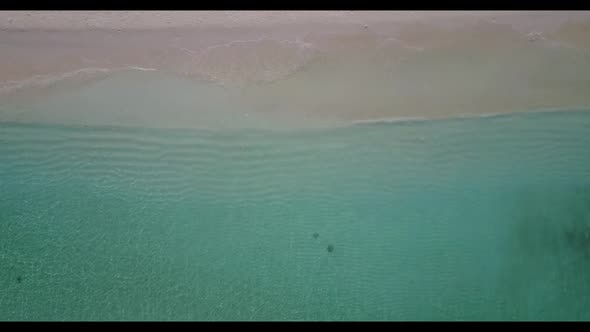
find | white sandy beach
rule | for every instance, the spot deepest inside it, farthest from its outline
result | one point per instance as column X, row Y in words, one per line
column 296, row 67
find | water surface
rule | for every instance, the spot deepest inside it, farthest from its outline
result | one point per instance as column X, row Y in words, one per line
column 484, row 218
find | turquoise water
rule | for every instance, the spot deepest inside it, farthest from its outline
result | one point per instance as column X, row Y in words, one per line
column 465, row 219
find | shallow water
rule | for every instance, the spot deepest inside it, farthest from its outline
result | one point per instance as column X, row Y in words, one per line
column 485, row 218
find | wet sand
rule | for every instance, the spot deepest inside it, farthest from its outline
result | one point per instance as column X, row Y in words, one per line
column 313, row 66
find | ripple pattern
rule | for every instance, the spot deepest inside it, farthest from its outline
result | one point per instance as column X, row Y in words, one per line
column 484, row 218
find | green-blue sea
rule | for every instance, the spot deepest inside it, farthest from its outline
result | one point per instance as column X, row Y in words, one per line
column 482, row 218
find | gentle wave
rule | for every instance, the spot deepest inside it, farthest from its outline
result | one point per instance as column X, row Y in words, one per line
column 42, row 81
column 47, row 80
column 394, row 120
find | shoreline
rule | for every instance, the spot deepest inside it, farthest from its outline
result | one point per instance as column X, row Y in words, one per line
column 320, row 66
column 305, row 128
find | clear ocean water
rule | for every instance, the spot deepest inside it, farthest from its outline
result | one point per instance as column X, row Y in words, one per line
column 465, row 219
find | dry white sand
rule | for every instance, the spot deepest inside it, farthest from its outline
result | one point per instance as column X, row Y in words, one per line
column 307, row 66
